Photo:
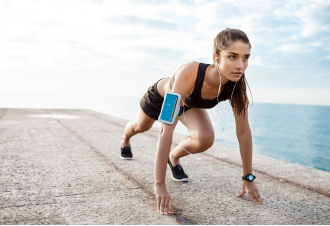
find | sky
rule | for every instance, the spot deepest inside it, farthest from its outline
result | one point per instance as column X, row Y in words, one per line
column 60, row 48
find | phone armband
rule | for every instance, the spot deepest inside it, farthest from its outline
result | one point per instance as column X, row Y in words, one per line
column 170, row 107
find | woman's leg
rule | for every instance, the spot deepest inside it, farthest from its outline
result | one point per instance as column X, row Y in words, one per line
column 140, row 124
column 201, row 134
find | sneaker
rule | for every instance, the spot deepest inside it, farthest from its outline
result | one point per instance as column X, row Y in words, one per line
column 177, row 172
column 126, row 152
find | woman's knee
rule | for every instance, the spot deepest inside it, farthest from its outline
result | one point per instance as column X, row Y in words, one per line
column 205, row 141
column 140, row 128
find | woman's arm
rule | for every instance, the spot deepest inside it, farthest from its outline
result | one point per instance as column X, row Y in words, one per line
column 164, row 201
column 244, row 137
column 184, row 81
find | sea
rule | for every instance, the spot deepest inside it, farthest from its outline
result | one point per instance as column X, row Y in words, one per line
column 294, row 133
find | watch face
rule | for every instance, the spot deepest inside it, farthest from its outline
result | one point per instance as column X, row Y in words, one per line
column 250, row 177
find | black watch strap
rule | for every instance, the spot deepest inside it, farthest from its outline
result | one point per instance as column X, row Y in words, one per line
column 249, row 177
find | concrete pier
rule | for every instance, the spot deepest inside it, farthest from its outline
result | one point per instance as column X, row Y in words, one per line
column 63, row 167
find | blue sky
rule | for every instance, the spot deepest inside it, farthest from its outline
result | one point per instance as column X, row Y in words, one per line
column 98, row 47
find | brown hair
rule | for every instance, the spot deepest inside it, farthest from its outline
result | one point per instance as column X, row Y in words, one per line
column 222, row 41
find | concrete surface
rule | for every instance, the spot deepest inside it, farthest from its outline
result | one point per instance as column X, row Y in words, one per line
column 63, row 167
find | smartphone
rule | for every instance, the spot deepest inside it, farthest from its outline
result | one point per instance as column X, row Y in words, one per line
column 170, row 107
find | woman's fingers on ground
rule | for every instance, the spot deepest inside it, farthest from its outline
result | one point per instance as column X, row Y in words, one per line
column 252, row 196
column 259, row 198
column 158, row 203
column 162, row 204
column 256, row 196
column 240, row 195
column 166, row 206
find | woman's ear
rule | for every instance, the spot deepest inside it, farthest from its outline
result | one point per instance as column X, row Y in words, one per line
column 215, row 59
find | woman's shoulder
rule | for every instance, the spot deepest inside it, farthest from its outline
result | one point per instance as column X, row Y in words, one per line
column 186, row 75
column 192, row 65
column 188, row 70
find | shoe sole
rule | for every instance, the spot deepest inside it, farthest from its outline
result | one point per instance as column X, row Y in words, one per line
column 126, row 158
column 183, row 179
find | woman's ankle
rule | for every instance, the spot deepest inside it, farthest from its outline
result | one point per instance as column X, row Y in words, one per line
column 175, row 161
column 124, row 142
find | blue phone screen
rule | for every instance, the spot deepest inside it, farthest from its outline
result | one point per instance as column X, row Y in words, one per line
column 168, row 108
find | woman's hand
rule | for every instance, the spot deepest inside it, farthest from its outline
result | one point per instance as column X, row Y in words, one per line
column 164, row 201
column 251, row 189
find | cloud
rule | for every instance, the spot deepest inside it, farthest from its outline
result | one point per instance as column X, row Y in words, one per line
column 95, row 42
column 187, row 2
column 48, row 23
column 23, row 40
column 256, row 60
column 99, row 1
column 4, row 7
column 161, row 53
column 150, row 23
column 149, row 2
column 316, row 18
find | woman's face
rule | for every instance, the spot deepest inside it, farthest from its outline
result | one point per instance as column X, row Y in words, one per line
column 234, row 60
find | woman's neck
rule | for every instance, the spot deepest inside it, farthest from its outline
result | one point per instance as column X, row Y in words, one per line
column 213, row 77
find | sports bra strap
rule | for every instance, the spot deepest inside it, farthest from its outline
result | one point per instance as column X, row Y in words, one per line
column 196, row 94
column 199, row 81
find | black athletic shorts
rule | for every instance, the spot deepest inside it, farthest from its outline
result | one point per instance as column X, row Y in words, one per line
column 151, row 102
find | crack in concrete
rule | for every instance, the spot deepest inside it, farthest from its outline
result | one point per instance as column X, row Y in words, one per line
column 310, row 188
column 27, row 220
column 180, row 219
column 87, row 193
column 42, row 204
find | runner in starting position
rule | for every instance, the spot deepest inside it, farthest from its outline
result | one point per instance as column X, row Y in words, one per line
column 198, row 84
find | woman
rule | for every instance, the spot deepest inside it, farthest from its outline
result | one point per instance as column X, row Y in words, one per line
column 198, row 84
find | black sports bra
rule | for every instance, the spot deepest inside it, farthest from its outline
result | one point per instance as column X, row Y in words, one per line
column 195, row 99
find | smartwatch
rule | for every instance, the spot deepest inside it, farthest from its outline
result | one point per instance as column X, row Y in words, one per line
column 249, row 177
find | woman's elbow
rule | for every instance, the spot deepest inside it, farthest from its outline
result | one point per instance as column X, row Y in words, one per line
column 166, row 129
column 243, row 134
